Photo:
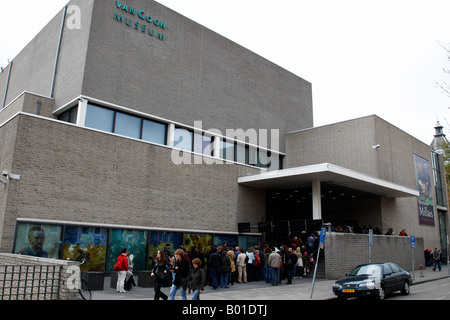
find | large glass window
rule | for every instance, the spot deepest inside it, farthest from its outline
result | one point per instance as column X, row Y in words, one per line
column 99, row 118
column 228, row 240
column 86, row 243
column 437, row 178
column 183, row 139
column 158, row 241
column 227, row 150
column 134, row 241
column 242, row 154
column 128, row 125
column 203, row 144
column 200, row 242
column 38, row 240
column 154, row 132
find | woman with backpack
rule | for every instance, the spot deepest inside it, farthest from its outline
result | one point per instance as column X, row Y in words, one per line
column 121, row 267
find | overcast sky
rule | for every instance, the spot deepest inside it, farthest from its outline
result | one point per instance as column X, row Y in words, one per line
column 362, row 57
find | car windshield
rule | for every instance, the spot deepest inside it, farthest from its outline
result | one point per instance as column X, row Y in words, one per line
column 367, row 270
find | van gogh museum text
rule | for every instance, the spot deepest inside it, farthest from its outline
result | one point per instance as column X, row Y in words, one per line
column 139, row 25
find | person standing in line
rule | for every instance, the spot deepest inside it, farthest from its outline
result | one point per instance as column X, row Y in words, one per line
column 437, row 259
column 122, row 268
column 233, row 271
column 225, row 269
column 197, row 279
column 268, row 269
column 299, row 264
column 181, row 270
column 275, row 264
column 251, row 263
column 214, row 263
column 242, row 266
column 310, row 243
column 160, row 272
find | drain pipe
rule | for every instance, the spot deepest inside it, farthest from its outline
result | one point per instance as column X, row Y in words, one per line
column 58, row 51
column 7, row 84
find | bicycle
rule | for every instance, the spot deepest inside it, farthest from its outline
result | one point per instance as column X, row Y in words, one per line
column 84, row 290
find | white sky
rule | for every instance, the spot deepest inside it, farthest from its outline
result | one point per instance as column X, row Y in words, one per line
column 362, row 57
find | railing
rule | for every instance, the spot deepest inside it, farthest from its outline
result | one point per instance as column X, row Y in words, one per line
column 29, row 282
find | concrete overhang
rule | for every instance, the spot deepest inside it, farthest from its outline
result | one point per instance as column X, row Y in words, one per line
column 327, row 172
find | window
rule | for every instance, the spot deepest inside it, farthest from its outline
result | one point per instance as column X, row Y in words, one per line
column 227, row 150
column 154, row 132
column 203, row 144
column 128, row 125
column 70, row 115
column 394, row 267
column 135, row 241
column 437, row 178
column 182, row 139
column 242, row 153
column 387, row 269
column 38, row 240
column 86, row 243
column 99, row 118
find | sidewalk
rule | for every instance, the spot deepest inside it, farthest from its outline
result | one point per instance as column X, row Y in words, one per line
column 299, row 290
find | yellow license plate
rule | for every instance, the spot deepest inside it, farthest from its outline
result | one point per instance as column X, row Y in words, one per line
column 348, row 290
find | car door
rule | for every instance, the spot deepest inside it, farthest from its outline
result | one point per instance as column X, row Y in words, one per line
column 388, row 278
column 397, row 277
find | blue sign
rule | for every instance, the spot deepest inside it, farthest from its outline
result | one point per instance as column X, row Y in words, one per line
column 323, row 232
column 413, row 241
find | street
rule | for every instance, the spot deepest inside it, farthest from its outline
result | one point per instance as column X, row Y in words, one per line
column 432, row 290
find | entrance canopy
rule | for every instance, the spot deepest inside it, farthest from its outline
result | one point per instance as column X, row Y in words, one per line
column 327, row 172
column 316, row 174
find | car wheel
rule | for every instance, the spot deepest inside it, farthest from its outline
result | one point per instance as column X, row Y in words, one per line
column 381, row 293
column 406, row 288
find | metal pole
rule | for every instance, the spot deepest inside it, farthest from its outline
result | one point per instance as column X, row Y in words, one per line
column 412, row 254
column 315, row 270
column 448, row 263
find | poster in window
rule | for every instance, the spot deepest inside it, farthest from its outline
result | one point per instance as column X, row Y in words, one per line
column 86, row 243
column 424, row 186
column 159, row 240
column 38, row 240
column 135, row 241
column 201, row 242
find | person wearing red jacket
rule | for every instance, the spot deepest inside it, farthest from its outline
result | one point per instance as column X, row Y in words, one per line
column 121, row 268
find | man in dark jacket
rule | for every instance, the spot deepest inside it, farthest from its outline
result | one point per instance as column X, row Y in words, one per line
column 181, row 269
column 214, row 263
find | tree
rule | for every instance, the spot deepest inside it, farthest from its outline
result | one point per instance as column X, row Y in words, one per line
column 442, row 84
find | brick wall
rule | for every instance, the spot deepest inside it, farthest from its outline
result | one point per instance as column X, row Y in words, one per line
column 88, row 176
column 31, row 285
column 344, row 251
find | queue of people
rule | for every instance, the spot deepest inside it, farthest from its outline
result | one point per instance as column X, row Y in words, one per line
column 224, row 266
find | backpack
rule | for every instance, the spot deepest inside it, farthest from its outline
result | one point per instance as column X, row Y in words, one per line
column 118, row 265
column 257, row 261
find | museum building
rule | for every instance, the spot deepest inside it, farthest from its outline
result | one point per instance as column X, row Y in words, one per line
column 136, row 127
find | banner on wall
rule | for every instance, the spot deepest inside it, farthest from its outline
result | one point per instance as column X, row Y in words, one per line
column 424, row 186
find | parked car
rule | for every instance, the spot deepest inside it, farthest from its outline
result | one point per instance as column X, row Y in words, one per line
column 374, row 279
